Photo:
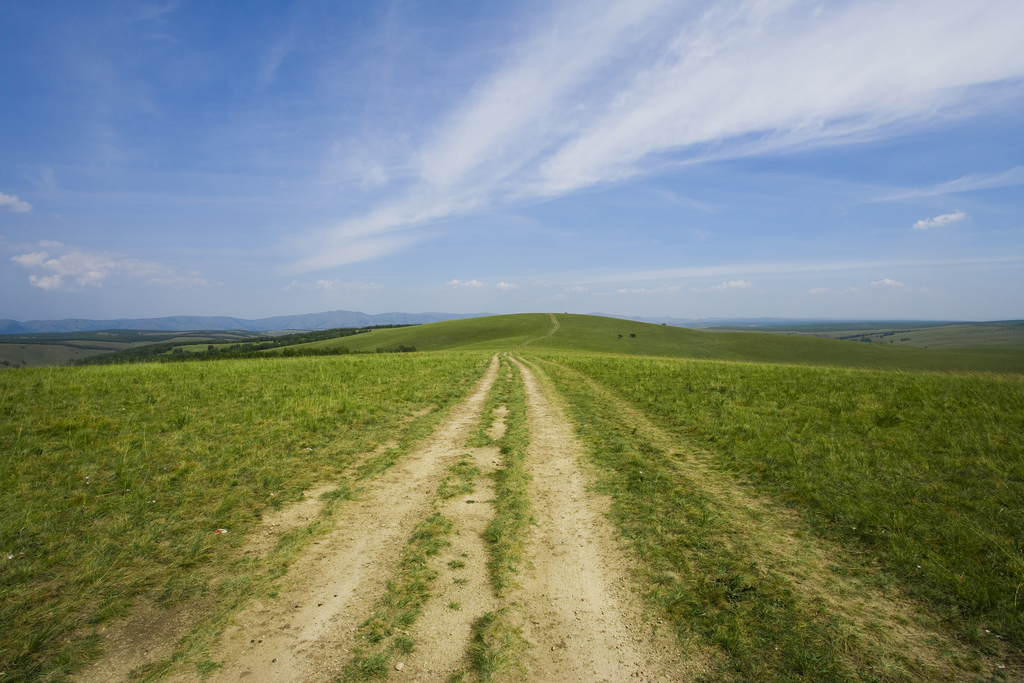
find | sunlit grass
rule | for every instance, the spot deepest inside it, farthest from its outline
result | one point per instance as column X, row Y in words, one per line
column 922, row 474
column 113, row 479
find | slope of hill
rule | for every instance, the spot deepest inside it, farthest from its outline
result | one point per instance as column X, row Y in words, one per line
column 611, row 335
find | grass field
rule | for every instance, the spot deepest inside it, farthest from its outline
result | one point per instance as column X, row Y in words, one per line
column 908, row 471
column 1008, row 334
column 115, row 478
column 595, row 334
column 919, row 474
column 41, row 355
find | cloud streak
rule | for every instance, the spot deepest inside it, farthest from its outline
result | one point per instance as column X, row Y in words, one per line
column 603, row 92
column 967, row 183
column 782, row 268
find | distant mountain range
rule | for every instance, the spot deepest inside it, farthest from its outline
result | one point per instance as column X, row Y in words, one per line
column 181, row 323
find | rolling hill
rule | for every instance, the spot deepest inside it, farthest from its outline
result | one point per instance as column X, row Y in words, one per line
column 596, row 334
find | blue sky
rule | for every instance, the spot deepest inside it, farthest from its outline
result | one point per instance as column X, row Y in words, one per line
column 642, row 157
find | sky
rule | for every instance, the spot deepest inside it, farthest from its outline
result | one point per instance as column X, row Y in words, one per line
column 753, row 158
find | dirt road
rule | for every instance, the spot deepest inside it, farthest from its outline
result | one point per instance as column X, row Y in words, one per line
column 577, row 610
column 583, row 620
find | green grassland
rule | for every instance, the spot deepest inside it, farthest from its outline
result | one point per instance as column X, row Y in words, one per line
column 918, row 476
column 63, row 348
column 114, row 478
column 1008, row 334
column 595, row 334
column 41, row 355
column 492, row 333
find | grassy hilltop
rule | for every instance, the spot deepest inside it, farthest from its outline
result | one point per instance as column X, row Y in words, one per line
column 595, row 334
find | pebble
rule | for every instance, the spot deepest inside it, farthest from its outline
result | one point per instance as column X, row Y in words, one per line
column 399, row 666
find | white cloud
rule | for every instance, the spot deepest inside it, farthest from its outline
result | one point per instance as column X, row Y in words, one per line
column 609, row 90
column 819, row 290
column 460, row 283
column 74, row 270
column 13, row 203
column 507, row 286
column 886, row 282
column 333, row 285
column 938, row 221
column 726, row 286
column 575, row 289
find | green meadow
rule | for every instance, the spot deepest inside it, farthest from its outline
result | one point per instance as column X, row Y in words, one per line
column 908, row 461
column 115, row 478
column 587, row 333
column 918, row 476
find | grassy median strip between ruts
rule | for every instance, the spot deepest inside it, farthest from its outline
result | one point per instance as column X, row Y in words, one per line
column 497, row 649
column 384, row 635
column 703, row 572
column 506, row 533
column 115, row 479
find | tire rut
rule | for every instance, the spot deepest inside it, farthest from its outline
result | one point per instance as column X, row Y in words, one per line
column 581, row 617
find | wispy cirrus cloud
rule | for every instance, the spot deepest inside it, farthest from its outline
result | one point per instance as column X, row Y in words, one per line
column 602, row 92
column 10, row 201
column 73, row 269
column 939, row 221
column 741, row 270
column 967, row 183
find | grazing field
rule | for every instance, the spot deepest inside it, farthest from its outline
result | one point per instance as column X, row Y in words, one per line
column 115, row 478
column 40, row 355
column 557, row 502
column 596, row 334
column 65, row 348
column 1008, row 334
column 919, row 475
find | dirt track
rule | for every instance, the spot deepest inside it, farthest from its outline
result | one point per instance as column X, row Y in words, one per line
column 583, row 620
column 578, row 612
